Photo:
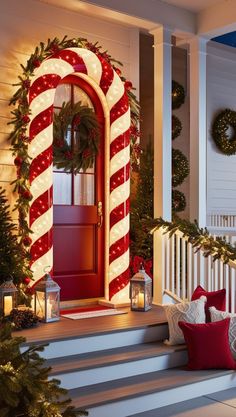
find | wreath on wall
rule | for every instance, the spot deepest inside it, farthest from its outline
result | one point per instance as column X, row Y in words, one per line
column 176, row 127
column 178, row 201
column 82, row 154
column 180, row 167
column 178, row 95
column 21, row 119
column 223, row 121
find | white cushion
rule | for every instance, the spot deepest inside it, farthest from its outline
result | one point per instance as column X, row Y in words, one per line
column 190, row 312
column 217, row 315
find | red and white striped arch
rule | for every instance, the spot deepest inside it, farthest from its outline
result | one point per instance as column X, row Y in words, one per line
column 110, row 88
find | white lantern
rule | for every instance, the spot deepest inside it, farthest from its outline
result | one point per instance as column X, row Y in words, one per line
column 8, row 297
column 47, row 299
column 141, row 291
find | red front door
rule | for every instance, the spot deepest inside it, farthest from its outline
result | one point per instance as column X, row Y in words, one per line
column 78, row 199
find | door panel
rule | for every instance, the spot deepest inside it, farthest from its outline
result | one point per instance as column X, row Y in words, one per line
column 78, row 241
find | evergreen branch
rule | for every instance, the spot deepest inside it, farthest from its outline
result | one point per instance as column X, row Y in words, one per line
column 200, row 238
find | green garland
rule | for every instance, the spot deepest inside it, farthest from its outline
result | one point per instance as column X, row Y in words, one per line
column 200, row 238
column 224, row 120
column 178, row 201
column 178, row 95
column 20, row 119
column 87, row 134
column 176, row 127
column 180, row 167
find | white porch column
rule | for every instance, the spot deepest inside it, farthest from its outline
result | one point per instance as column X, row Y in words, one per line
column 162, row 147
column 198, row 134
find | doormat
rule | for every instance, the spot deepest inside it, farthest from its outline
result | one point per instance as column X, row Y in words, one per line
column 84, row 309
column 96, row 313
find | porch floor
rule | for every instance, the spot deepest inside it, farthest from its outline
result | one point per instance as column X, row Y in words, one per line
column 68, row 329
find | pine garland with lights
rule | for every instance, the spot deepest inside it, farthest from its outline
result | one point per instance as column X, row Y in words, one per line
column 180, row 167
column 14, row 255
column 224, row 120
column 87, row 134
column 176, row 127
column 178, row 201
column 200, row 238
column 142, row 208
column 178, row 95
column 25, row 388
column 21, row 118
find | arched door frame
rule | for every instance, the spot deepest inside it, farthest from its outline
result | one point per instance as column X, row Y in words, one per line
column 110, row 89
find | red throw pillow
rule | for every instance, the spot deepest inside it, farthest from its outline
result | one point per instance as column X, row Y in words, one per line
column 208, row 345
column 215, row 299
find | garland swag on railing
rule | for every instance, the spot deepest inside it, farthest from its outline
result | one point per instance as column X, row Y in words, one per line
column 200, row 238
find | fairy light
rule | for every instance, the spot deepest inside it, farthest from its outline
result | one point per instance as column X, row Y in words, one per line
column 120, row 229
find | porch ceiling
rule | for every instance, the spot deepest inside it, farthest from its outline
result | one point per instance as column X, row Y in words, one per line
column 193, row 5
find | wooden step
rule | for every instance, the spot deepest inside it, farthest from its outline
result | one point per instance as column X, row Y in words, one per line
column 96, row 367
column 72, row 337
column 133, row 395
column 220, row 404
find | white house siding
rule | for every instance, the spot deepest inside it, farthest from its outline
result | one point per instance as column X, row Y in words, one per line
column 221, row 94
column 23, row 24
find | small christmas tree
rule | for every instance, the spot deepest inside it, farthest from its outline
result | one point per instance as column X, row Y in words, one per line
column 14, row 258
column 25, row 390
column 142, row 207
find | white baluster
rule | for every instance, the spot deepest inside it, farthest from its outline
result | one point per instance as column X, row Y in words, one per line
column 183, row 268
column 189, row 271
column 177, row 266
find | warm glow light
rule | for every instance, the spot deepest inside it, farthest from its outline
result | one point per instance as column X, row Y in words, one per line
column 119, row 229
column 115, row 92
column 8, row 304
column 121, row 159
column 120, row 125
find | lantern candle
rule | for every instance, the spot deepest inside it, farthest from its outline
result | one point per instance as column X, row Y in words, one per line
column 141, row 300
column 8, row 304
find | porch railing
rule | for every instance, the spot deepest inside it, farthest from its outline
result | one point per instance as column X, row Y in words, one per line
column 180, row 269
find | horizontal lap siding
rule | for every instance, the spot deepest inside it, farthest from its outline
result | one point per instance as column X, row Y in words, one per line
column 221, row 94
column 23, row 25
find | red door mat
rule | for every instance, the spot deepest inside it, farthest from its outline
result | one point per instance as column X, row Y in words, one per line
column 89, row 312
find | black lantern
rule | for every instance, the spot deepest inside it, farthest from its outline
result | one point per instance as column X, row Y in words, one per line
column 141, row 291
column 8, row 297
column 47, row 299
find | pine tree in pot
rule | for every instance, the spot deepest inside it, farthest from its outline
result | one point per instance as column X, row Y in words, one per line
column 25, row 390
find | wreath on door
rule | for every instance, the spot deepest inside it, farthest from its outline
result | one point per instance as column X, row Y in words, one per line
column 82, row 121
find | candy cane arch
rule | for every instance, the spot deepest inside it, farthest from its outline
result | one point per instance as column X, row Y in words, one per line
column 101, row 75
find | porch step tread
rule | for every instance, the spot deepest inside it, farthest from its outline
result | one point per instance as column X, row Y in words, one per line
column 138, row 386
column 113, row 356
column 211, row 406
column 66, row 329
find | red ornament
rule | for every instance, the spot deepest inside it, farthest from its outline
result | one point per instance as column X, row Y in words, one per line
column 27, row 241
column 25, row 118
column 18, row 161
column 77, row 119
column 128, row 85
column 27, row 280
column 118, row 71
column 69, row 155
column 26, row 84
column 36, row 63
column 27, row 195
column 54, row 48
column 86, row 153
column 59, row 143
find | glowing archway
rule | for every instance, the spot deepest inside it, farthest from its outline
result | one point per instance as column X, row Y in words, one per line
column 110, row 88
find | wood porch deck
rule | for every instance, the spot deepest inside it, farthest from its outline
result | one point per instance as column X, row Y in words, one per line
column 68, row 329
